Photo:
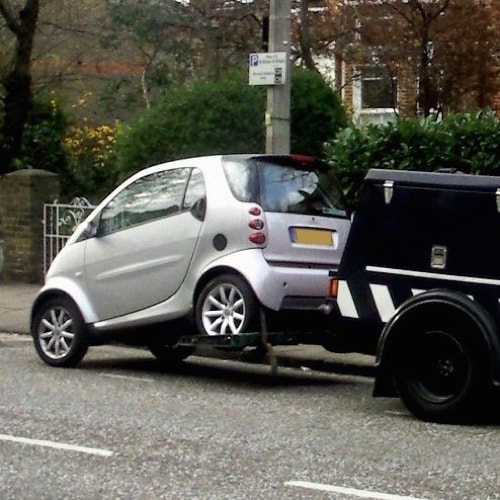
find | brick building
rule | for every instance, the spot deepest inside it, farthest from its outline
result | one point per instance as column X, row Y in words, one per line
column 384, row 69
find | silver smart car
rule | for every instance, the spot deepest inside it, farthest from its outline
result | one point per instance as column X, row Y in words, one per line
column 199, row 245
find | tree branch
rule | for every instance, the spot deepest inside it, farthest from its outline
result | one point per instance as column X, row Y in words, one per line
column 9, row 17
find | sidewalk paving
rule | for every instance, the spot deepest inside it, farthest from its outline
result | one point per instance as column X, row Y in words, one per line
column 16, row 300
column 15, row 305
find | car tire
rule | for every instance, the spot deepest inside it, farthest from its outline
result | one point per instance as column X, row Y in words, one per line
column 59, row 333
column 170, row 355
column 226, row 306
column 439, row 375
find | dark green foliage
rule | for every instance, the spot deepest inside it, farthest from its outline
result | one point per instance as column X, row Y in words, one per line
column 227, row 116
column 316, row 113
column 43, row 147
column 42, row 140
column 42, row 143
column 466, row 142
column 201, row 119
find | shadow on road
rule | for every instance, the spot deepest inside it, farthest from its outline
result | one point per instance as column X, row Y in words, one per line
column 219, row 369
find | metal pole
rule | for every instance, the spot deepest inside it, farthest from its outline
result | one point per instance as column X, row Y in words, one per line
column 278, row 96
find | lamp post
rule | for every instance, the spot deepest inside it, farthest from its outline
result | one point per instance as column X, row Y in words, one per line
column 278, row 96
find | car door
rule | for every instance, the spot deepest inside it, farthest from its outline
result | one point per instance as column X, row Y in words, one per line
column 144, row 243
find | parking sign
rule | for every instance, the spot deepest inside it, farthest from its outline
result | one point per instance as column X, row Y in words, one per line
column 267, row 68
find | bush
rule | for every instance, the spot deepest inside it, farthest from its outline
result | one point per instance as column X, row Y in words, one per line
column 42, row 141
column 466, row 142
column 226, row 117
column 201, row 119
column 82, row 156
column 92, row 172
column 316, row 113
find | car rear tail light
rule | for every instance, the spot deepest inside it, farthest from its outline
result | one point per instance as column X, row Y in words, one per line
column 255, row 211
column 257, row 238
column 257, row 224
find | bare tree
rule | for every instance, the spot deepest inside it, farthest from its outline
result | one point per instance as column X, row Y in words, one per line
column 20, row 21
column 447, row 47
column 177, row 42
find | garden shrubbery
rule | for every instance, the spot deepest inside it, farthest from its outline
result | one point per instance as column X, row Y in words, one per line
column 203, row 118
column 316, row 113
column 467, row 142
column 90, row 154
column 226, row 117
column 43, row 133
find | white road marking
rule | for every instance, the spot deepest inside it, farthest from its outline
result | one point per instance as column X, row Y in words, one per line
column 58, row 446
column 349, row 491
column 127, row 377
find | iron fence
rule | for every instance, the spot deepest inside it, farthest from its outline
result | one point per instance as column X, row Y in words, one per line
column 59, row 222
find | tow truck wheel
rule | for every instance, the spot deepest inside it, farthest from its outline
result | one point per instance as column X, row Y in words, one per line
column 438, row 373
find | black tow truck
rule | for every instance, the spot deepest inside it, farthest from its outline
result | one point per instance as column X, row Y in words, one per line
column 419, row 284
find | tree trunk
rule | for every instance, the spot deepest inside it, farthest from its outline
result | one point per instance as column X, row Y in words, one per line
column 305, row 37
column 17, row 83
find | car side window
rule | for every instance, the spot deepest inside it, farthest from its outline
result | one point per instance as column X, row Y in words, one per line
column 149, row 198
column 241, row 179
column 195, row 190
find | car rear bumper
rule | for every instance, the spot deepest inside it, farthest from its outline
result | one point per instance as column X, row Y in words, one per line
column 278, row 286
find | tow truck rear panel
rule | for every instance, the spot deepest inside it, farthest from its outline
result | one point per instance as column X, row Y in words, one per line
column 420, row 280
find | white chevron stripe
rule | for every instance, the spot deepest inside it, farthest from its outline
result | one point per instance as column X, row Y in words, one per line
column 436, row 276
column 345, row 301
column 383, row 301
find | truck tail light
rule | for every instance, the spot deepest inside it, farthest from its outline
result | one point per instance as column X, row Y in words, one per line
column 333, row 288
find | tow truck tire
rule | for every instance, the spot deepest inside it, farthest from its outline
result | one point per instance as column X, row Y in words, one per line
column 438, row 371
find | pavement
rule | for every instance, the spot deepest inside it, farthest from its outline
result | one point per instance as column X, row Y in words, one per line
column 15, row 305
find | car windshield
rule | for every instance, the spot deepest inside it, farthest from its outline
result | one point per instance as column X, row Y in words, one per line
column 285, row 185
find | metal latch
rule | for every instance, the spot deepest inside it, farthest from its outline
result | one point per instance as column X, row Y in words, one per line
column 438, row 257
column 388, row 190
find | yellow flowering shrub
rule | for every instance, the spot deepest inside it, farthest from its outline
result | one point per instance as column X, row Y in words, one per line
column 91, row 158
column 90, row 147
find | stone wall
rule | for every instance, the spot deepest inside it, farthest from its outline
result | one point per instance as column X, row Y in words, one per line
column 22, row 196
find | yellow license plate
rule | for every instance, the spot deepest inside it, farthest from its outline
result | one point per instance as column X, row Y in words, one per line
column 311, row 236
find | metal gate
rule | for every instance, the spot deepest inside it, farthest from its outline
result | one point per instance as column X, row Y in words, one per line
column 59, row 222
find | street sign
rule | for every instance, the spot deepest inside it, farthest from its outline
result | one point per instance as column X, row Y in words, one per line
column 267, row 68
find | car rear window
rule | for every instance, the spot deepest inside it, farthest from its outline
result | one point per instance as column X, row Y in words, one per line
column 286, row 186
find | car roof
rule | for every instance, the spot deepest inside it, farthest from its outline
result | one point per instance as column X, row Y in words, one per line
column 202, row 160
column 209, row 160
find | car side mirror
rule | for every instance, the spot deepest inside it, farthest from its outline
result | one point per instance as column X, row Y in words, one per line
column 90, row 230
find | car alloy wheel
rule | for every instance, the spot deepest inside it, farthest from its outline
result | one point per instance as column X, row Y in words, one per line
column 226, row 306
column 59, row 333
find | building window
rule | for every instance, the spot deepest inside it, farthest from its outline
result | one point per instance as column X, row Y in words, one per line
column 378, row 88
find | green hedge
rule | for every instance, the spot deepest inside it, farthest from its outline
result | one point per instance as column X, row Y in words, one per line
column 227, row 116
column 465, row 142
